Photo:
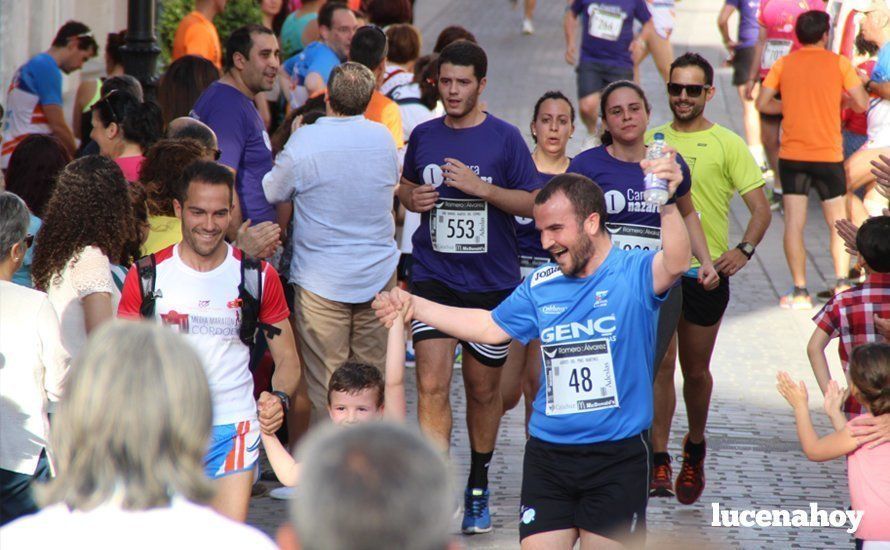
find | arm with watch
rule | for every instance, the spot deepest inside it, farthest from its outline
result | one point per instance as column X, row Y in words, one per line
column 734, row 259
column 271, row 407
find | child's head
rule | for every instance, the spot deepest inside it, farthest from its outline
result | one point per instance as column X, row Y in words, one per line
column 873, row 243
column 870, row 376
column 355, row 394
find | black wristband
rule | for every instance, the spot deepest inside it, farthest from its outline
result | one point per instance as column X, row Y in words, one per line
column 285, row 399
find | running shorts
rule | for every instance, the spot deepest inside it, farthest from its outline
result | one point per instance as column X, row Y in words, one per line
column 741, row 65
column 828, row 178
column 234, row 448
column 593, row 76
column 489, row 355
column 602, row 487
column 703, row 307
column 662, row 17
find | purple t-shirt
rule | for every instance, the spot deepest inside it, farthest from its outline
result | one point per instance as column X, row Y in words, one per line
column 633, row 223
column 607, row 29
column 464, row 242
column 244, row 144
column 748, row 27
column 528, row 236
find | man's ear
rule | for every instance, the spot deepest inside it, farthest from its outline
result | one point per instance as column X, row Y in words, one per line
column 287, row 537
column 592, row 224
column 177, row 208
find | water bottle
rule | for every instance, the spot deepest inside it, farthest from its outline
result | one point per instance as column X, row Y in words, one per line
column 656, row 189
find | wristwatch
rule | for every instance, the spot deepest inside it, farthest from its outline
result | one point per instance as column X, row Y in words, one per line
column 868, row 85
column 285, row 399
column 746, row 248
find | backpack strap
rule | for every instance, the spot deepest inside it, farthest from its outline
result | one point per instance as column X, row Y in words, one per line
column 146, row 268
column 392, row 74
column 250, row 292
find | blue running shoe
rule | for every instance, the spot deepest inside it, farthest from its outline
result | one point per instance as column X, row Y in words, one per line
column 476, row 517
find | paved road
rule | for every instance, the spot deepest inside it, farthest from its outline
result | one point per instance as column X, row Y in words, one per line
column 754, row 460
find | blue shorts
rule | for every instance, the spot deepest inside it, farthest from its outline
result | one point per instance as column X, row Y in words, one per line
column 234, row 448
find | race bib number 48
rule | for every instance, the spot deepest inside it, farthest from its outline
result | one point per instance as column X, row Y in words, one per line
column 605, row 24
column 634, row 237
column 579, row 377
column 773, row 50
column 460, row 226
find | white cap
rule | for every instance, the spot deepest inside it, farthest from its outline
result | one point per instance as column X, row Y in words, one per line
column 866, row 6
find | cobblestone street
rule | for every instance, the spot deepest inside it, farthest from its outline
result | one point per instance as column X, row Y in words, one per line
column 754, row 460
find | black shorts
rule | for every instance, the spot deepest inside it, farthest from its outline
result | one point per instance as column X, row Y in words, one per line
column 741, row 65
column 488, row 355
column 828, row 178
column 704, row 307
column 593, row 76
column 602, row 488
column 403, row 270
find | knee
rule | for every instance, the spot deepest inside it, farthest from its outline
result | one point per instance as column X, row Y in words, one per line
column 432, row 388
column 698, row 373
column 588, row 107
column 483, row 394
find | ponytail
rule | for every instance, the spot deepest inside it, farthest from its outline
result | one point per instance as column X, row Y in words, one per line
column 143, row 124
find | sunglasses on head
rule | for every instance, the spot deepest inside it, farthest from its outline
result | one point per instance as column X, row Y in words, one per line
column 692, row 90
column 105, row 100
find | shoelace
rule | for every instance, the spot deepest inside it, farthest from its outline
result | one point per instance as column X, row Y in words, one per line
column 476, row 505
column 687, row 472
column 662, row 472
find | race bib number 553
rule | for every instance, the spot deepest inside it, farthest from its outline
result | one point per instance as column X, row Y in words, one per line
column 460, row 226
column 579, row 377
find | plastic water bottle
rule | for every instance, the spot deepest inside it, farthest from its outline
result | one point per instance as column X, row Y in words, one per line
column 656, row 189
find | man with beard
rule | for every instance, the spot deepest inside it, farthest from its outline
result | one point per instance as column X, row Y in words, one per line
column 721, row 165
column 227, row 106
column 468, row 173
column 586, row 465
column 196, row 292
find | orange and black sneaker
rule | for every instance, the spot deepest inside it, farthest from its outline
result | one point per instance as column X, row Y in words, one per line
column 691, row 481
column 662, row 482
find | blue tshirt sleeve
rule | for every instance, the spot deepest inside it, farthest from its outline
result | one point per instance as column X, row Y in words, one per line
column 521, row 171
column 641, row 12
column 516, row 315
column 639, row 269
column 45, row 80
column 881, row 71
column 288, row 66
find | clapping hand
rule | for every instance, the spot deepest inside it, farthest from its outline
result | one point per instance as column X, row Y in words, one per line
column 793, row 392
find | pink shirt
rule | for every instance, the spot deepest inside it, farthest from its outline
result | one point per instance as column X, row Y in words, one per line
column 130, row 166
column 779, row 17
column 868, row 473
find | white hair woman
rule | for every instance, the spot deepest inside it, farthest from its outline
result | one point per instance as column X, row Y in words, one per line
column 33, row 364
column 129, row 442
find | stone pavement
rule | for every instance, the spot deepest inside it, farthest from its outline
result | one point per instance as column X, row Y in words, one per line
column 754, row 460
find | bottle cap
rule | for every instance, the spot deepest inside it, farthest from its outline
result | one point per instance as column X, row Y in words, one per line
column 658, row 135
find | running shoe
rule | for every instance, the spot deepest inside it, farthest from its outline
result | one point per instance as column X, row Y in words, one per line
column 458, row 355
column 691, row 481
column 798, row 298
column 477, row 519
column 827, row 294
column 662, row 482
column 283, row 493
column 527, row 27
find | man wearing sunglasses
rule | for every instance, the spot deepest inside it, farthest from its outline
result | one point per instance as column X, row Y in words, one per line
column 721, row 166
column 34, row 103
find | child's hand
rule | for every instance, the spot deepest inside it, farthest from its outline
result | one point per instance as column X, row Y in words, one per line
column 793, row 392
column 834, row 397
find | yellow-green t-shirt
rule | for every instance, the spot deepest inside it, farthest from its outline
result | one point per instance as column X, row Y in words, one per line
column 165, row 230
column 721, row 165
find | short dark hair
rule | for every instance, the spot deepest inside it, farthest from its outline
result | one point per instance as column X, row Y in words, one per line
column 125, row 83
column 873, row 243
column 33, row 168
column 404, row 43
column 199, row 132
column 352, row 378
column 205, row 172
column 811, row 26
column 692, row 59
column 350, row 88
column 113, row 44
column 368, row 46
column 585, row 195
column 450, row 35
column 326, row 13
column 75, row 29
column 241, row 41
column 552, row 94
column 465, row 54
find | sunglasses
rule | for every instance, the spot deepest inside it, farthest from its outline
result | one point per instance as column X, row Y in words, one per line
column 29, row 240
column 692, row 90
column 105, row 101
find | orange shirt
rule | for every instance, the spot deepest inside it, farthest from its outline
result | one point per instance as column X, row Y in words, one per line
column 385, row 111
column 811, row 82
column 196, row 35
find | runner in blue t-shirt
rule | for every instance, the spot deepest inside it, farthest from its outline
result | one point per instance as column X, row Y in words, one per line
column 468, row 173
column 586, row 466
column 552, row 125
column 634, row 223
column 607, row 32
column 227, row 107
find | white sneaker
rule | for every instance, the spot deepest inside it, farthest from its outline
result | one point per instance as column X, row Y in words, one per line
column 527, row 27
column 283, row 493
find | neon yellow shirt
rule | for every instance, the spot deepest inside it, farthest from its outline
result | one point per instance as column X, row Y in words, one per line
column 721, row 165
column 165, row 230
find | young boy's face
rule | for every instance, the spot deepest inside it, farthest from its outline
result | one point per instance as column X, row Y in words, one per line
column 354, row 408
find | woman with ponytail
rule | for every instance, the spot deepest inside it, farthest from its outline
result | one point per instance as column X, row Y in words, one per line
column 124, row 128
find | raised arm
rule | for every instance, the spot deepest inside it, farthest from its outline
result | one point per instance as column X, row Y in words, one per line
column 394, row 396
column 286, row 469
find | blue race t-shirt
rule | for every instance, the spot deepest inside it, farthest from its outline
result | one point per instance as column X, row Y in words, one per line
column 748, row 26
column 607, row 29
column 527, row 235
column 597, row 343
column 464, row 242
column 317, row 57
column 881, row 71
column 244, row 144
column 633, row 222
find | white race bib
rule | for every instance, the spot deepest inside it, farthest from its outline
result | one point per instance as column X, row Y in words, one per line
column 459, row 226
column 773, row 50
column 634, row 237
column 605, row 24
column 579, row 377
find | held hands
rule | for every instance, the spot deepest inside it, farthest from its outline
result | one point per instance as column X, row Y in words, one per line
column 666, row 168
column 270, row 412
column 393, row 306
column 708, row 276
column 731, row 262
column 793, row 392
column 460, row 176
